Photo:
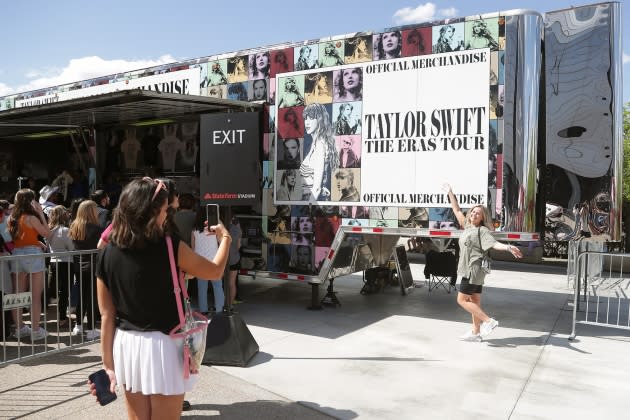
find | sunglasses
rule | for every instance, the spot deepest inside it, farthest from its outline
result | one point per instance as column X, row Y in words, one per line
column 159, row 186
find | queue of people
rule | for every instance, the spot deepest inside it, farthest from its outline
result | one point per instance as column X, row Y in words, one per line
column 38, row 223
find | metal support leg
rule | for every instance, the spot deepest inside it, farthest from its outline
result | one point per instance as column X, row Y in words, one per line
column 331, row 298
column 315, row 304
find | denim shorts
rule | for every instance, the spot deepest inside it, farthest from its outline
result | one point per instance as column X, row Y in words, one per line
column 31, row 264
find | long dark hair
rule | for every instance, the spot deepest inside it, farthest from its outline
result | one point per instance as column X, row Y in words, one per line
column 135, row 219
column 22, row 206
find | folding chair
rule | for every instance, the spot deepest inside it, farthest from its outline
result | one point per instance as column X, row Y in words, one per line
column 440, row 270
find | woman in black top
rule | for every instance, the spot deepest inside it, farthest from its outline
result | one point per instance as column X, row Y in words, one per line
column 85, row 232
column 137, row 303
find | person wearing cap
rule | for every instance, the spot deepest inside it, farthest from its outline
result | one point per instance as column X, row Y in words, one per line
column 48, row 198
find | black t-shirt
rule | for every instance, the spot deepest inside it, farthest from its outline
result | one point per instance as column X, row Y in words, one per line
column 141, row 286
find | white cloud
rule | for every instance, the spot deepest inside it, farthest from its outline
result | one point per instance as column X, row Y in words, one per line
column 80, row 69
column 626, row 58
column 422, row 13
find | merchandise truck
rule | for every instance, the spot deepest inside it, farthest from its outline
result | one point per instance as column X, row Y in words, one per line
column 331, row 149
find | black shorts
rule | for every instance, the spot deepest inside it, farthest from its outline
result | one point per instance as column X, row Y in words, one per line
column 236, row 266
column 468, row 289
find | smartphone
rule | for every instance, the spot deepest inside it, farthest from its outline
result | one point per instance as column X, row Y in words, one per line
column 101, row 380
column 212, row 214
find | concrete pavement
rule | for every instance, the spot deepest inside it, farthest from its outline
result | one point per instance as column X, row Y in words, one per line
column 380, row 356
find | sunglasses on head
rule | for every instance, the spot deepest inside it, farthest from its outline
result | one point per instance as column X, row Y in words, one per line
column 159, row 186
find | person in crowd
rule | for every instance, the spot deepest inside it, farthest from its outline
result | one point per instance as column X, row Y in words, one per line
column 349, row 85
column 61, row 269
column 322, row 158
column 185, row 216
column 49, row 198
column 291, row 95
column 330, row 57
column 320, row 92
column 101, row 199
column 74, row 207
column 345, row 185
column 138, row 307
column 259, row 65
column 26, row 224
column 473, row 243
column 6, row 285
column 204, row 243
column 291, row 158
column 85, row 232
column 388, row 45
column 346, row 122
column 234, row 261
column 287, row 189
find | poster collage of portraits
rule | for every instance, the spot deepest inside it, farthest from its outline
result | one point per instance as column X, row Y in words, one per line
column 313, row 146
column 313, row 152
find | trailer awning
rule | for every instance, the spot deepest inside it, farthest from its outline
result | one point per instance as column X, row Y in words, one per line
column 117, row 108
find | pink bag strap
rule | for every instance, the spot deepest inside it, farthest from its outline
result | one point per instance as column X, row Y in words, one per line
column 177, row 286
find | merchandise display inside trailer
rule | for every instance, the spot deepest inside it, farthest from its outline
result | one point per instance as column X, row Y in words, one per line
column 361, row 131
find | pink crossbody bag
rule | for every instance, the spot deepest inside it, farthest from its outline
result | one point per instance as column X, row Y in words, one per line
column 193, row 326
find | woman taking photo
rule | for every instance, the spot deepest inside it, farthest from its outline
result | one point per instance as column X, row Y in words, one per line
column 26, row 223
column 138, row 306
column 473, row 243
column 322, row 158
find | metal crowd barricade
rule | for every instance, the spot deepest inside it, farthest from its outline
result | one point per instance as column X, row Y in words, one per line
column 601, row 289
column 19, row 302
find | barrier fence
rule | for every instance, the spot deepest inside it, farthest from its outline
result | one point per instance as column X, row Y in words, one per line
column 601, row 282
column 66, row 289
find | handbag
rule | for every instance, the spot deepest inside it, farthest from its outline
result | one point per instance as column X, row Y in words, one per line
column 486, row 261
column 192, row 327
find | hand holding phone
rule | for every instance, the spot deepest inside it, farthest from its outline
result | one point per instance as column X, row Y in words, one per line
column 102, row 385
column 212, row 214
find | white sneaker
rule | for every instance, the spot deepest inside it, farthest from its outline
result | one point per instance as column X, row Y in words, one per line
column 39, row 334
column 470, row 336
column 25, row 331
column 78, row 329
column 93, row 335
column 487, row 327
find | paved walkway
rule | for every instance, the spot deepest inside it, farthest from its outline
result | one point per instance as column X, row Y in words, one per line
column 378, row 357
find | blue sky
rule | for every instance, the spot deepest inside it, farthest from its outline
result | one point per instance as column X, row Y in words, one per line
column 49, row 43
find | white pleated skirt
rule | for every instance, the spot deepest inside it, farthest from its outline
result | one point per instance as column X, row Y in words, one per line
column 150, row 362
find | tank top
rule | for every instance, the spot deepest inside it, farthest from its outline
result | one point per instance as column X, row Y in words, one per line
column 27, row 235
